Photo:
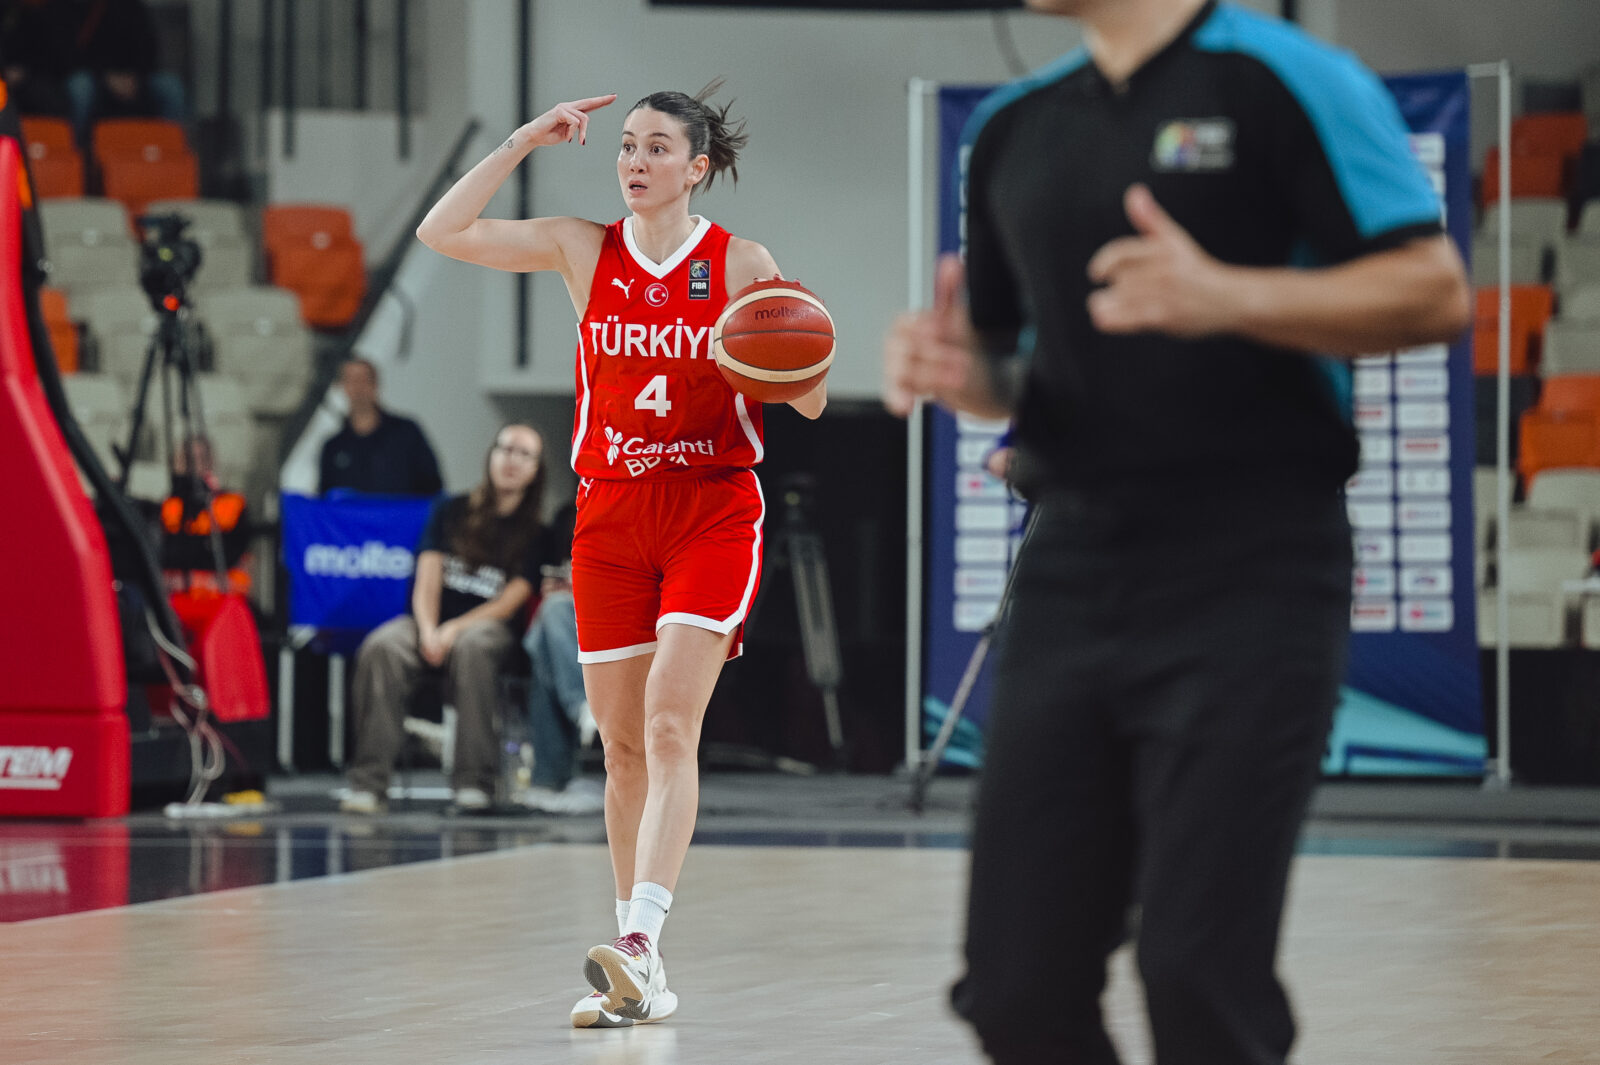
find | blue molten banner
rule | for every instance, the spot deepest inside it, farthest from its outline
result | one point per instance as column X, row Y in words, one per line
column 1412, row 700
column 350, row 558
column 1412, row 703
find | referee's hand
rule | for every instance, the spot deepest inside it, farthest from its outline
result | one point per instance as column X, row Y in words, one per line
column 933, row 354
column 1160, row 281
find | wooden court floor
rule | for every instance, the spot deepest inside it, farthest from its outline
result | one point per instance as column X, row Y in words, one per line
column 822, row 956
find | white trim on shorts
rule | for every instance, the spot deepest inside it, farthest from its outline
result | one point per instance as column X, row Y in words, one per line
column 735, row 619
column 721, row 628
column 615, row 654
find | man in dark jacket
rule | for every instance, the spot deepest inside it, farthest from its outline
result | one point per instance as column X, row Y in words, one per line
column 376, row 452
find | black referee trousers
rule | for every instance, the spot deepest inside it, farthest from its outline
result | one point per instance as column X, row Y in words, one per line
column 1163, row 695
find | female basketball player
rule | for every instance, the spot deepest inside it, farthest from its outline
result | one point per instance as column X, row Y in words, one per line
column 667, row 550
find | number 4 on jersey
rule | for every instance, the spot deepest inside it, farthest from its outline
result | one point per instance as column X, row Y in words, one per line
column 654, row 397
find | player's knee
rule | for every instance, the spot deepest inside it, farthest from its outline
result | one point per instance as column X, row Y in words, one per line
column 670, row 737
column 624, row 757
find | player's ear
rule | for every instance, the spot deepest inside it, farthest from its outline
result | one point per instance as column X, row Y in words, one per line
column 699, row 168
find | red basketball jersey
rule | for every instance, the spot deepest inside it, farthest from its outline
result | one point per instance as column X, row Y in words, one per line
column 652, row 404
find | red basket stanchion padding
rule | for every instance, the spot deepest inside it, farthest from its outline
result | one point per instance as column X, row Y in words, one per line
column 64, row 749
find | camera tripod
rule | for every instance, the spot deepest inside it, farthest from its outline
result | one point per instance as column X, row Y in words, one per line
column 167, row 266
column 794, row 544
column 813, row 599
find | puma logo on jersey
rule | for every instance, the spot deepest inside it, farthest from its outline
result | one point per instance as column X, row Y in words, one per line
column 625, row 293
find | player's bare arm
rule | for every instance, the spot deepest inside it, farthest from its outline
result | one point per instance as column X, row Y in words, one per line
column 1161, row 281
column 453, row 227
column 747, row 263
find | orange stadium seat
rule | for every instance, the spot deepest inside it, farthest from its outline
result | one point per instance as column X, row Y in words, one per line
column 1560, row 133
column 1531, row 175
column 63, row 334
column 1531, row 307
column 53, row 158
column 312, row 251
column 1564, row 429
column 145, row 159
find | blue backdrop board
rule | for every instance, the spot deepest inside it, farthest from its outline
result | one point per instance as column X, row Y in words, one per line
column 1412, row 704
column 972, row 524
column 350, row 560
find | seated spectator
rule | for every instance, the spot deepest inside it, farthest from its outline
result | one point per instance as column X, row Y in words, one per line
column 116, row 53
column 36, row 49
column 205, row 529
column 559, row 721
column 477, row 566
column 377, row 452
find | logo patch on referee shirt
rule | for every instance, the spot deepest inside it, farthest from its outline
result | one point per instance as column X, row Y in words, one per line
column 1193, row 144
column 699, row 279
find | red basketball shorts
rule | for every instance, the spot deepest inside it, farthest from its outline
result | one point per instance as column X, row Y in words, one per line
column 654, row 553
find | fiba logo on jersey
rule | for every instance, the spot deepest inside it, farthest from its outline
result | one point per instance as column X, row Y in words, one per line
column 699, row 279
column 656, row 295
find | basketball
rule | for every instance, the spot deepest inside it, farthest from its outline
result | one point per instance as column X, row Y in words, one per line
column 774, row 341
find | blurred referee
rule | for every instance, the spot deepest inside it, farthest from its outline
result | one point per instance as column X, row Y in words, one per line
column 1173, row 235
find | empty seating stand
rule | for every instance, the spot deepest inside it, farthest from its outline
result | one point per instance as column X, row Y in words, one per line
column 1531, row 307
column 259, row 340
column 88, row 244
column 1564, row 429
column 53, row 158
column 145, row 159
column 312, row 251
column 121, row 322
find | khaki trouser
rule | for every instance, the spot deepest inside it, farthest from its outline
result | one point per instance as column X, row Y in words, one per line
column 388, row 669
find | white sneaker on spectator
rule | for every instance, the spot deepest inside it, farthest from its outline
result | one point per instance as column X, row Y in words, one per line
column 361, row 802
column 431, row 734
column 471, row 799
column 573, row 799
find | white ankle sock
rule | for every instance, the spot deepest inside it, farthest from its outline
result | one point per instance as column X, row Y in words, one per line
column 622, row 915
column 648, row 911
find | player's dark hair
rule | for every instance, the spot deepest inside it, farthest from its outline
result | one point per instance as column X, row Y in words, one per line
column 474, row 538
column 711, row 132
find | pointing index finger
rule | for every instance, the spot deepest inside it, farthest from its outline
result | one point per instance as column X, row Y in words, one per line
column 594, row 103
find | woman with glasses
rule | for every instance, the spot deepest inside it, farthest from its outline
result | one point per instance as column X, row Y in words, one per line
column 477, row 565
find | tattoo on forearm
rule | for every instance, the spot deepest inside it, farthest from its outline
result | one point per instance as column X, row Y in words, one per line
column 506, row 147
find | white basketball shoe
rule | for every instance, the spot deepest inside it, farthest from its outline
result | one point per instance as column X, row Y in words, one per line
column 628, row 971
column 590, row 1012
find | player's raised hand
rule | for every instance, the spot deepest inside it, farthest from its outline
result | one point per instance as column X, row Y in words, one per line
column 561, row 123
column 1160, row 281
column 933, row 353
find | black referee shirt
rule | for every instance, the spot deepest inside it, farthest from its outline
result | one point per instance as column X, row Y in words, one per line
column 1271, row 149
